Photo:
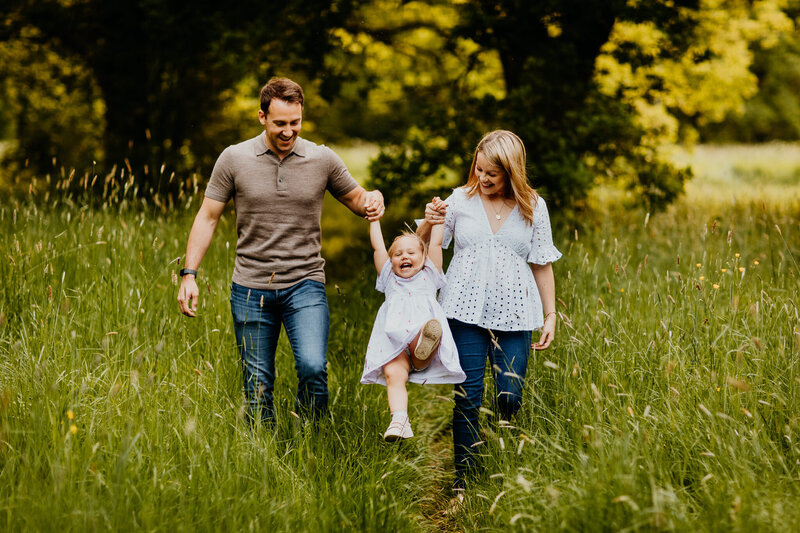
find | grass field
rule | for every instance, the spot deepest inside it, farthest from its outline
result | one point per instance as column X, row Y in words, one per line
column 669, row 401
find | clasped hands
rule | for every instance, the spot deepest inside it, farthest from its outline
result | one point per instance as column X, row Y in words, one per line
column 435, row 211
column 373, row 207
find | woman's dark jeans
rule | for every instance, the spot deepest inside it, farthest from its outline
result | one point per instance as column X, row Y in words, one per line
column 507, row 352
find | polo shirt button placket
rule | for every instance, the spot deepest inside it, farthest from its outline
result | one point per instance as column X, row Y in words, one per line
column 281, row 178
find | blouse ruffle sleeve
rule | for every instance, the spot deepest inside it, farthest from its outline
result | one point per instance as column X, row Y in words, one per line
column 543, row 250
column 384, row 276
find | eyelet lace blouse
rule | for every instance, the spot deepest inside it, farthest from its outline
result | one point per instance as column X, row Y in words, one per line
column 489, row 281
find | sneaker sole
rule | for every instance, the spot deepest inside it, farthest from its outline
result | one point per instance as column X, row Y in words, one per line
column 429, row 339
column 395, row 438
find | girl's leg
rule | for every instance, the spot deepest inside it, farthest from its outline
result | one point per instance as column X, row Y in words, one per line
column 509, row 359
column 396, row 372
column 473, row 346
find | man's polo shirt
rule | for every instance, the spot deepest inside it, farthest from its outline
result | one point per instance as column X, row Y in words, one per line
column 278, row 208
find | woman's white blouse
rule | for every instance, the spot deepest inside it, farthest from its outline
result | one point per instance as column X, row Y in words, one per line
column 489, row 281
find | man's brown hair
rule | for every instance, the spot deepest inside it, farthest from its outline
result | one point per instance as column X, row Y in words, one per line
column 282, row 89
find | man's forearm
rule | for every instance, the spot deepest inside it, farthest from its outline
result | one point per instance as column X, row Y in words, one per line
column 199, row 240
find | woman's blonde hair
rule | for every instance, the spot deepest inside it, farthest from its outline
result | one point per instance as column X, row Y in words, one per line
column 504, row 149
column 422, row 245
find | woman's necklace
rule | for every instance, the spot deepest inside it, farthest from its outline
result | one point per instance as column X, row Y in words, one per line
column 498, row 214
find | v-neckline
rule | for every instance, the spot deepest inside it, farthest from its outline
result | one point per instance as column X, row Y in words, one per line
column 488, row 215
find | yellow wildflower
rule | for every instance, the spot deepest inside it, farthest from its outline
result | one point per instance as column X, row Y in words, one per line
column 70, row 415
column 73, row 429
column 716, row 286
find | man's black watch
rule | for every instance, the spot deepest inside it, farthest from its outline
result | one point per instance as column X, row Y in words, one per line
column 185, row 271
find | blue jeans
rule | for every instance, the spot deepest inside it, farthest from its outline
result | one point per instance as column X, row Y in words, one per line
column 508, row 360
column 257, row 319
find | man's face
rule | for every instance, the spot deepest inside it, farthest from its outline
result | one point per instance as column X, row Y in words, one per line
column 282, row 124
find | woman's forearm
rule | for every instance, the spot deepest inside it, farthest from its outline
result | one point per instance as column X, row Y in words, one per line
column 545, row 281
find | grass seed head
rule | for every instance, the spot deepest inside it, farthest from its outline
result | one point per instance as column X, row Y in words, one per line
column 737, row 384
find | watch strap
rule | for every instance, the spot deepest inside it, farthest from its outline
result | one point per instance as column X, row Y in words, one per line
column 185, row 271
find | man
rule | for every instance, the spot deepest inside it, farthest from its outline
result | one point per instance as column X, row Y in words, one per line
column 278, row 181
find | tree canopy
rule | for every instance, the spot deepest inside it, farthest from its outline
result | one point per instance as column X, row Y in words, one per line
column 594, row 87
column 161, row 71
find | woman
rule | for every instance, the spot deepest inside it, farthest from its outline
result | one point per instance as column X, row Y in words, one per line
column 500, row 284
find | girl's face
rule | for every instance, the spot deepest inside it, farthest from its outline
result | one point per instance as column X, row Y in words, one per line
column 491, row 178
column 407, row 257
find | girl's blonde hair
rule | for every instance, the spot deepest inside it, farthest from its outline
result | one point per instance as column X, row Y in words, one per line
column 422, row 245
column 504, row 149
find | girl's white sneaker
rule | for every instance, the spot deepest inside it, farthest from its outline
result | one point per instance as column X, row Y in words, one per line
column 398, row 429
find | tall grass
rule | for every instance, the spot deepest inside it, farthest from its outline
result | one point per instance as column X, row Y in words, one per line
column 670, row 400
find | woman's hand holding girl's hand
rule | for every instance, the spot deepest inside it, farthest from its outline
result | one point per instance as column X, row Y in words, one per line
column 548, row 332
column 435, row 211
column 439, row 205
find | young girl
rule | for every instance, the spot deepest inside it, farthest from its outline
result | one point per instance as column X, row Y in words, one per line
column 410, row 340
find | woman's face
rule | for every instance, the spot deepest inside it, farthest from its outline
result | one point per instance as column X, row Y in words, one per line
column 407, row 257
column 491, row 178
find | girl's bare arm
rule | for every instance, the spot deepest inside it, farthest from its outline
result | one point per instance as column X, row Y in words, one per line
column 435, row 246
column 379, row 255
column 435, row 211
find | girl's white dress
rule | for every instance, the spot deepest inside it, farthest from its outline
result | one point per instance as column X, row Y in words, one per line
column 409, row 304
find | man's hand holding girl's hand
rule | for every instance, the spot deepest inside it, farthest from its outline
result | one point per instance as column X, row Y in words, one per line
column 435, row 211
column 374, row 208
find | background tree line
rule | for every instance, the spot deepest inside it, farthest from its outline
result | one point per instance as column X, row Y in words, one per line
column 594, row 87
